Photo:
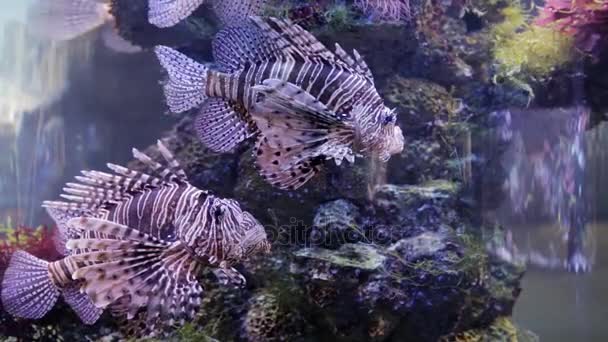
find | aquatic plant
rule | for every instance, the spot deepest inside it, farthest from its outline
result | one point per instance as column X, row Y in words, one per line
column 37, row 241
column 585, row 20
column 391, row 10
column 521, row 49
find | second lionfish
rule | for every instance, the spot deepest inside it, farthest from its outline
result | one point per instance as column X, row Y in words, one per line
column 134, row 243
column 276, row 81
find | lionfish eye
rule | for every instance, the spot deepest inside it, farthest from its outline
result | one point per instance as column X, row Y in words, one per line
column 388, row 119
column 219, row 212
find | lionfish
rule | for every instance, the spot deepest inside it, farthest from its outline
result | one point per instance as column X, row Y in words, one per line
column 276, row 81
column 68, row 19
column 166, row 13
column 134, row 242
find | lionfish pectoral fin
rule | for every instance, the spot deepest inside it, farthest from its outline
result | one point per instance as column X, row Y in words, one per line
column 186, row 87
column 66, row 19
column 143, row 272
column 220, row 127
column 166, row 13
column 276, row 96
column 81, row 304
column 287, row 168
column 27, row 288
column 297, row 133
column 229, row 275
column 115, row 42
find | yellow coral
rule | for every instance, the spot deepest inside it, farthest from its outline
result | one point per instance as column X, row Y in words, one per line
column 529, row 49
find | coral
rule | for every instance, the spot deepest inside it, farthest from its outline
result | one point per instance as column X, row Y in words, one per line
column 522, row 49
column 391, row 10
column 586, row 20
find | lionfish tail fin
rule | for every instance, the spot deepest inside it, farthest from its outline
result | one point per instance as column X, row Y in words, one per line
column 166, row 13
column 186, row 87
column 235, row 12
column 220, row 127
column 66, row 19
column 81, row 304
column 27, row 288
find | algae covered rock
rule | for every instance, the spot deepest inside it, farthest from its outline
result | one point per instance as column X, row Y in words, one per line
column 336, row 223
column 268, row 319
column 421, row 103
column 501, row 330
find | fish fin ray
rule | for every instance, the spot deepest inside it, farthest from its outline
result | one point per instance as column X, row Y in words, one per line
column 235, row 12
column 64, row 231
column 186, row 87
column 233, row 47
column 220, row 127
column 356, row 63
column 27, row 288
column 168, row 173
column 166, row 13
column 287, row 168
column 81, row 304
column 292, row 39
column 66, row 19
column 230, row 275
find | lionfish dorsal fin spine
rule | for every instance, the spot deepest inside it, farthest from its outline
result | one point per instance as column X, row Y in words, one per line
column 292, row 39
column 170, row 173
column 173, row 165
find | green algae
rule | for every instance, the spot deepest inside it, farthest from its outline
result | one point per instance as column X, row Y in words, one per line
column 361, row 256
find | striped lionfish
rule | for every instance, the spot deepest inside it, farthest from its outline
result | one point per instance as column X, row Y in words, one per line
column 134, row 242
column 166, row 13
column 69, row 19
column 276, row 81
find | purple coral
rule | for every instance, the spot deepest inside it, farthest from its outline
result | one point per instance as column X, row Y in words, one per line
column 391, row 10
column 586, row 20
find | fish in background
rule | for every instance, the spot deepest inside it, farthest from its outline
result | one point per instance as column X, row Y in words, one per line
column 64, row 20
column 276, row 82
column 134, row 242
column 167, row 13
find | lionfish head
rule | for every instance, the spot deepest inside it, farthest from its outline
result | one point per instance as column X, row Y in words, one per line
column 218, row 228
column 384, row 137
column 255, row 241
